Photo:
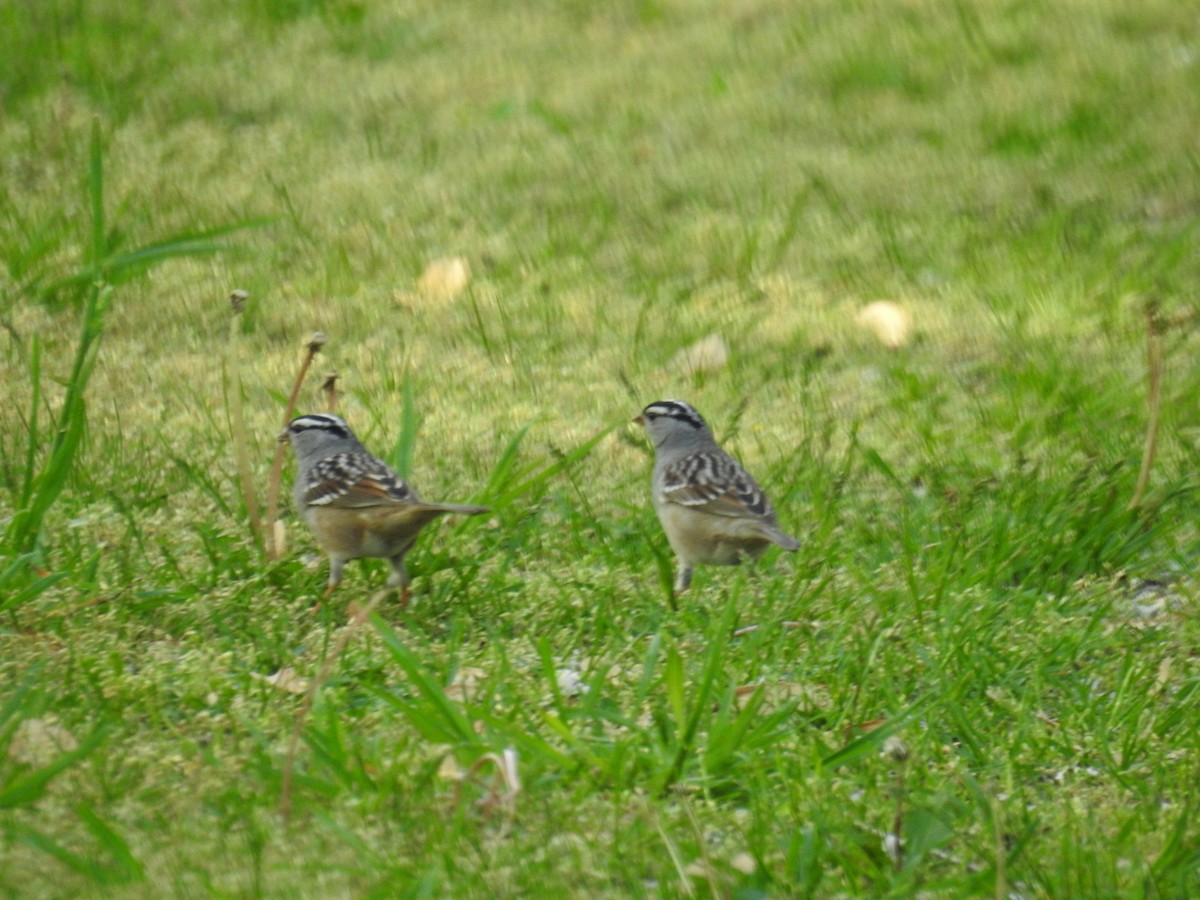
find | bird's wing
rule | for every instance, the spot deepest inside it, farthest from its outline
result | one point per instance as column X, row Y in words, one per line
column 355, row 480
column 715, row 483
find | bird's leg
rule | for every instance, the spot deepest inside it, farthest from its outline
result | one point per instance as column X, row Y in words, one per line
column 335, row 578
column 335, row 574
column 684, row 579
column 399, row 579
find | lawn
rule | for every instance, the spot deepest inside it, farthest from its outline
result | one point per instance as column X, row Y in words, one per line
column 516, row 225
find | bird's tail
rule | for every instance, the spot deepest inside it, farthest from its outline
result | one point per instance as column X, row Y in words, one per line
column 462, row 509
column 405, row 519
column 783, row 539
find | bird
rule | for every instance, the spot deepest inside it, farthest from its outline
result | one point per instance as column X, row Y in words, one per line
column 355, row 505
column 712, row 511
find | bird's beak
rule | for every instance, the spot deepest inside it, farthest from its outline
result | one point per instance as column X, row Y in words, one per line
column 284, row 437
column 639, row 419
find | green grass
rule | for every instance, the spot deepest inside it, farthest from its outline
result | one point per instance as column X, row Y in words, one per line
column 623, row 180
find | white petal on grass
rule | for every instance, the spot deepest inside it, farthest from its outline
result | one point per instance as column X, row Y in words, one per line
column 708, row 354
column 743, row 862
column 893, row 847
column 449, row 769
column 445, row 279
column 570, row 683
column 887, row 321
column 895, row 749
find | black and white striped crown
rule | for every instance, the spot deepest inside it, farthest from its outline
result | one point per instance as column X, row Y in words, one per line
column 674, row 409
column 325, row 422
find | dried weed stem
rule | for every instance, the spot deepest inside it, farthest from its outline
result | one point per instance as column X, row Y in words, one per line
column 274, row 542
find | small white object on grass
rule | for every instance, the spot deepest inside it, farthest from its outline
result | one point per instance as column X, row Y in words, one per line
column 743, row 862
column 895, row 749
column 445, row 279
column 286, row 680
column 893, row 846
column 888, row 321
column 708, row 354
column 570, row 683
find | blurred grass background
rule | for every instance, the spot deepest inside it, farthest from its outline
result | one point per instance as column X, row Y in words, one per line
column 622, row 180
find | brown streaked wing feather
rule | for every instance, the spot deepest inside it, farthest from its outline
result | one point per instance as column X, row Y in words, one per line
column 717, row 485
column 353, row 480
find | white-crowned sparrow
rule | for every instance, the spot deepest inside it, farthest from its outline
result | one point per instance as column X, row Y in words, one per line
column 711, row 509
column 355, row 505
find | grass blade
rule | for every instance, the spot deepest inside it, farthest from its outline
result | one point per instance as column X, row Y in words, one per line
column 30, row 787
column 449, row 723
column 871, row 742
column 406, row 441
column 533, row 479
column 34, row 438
